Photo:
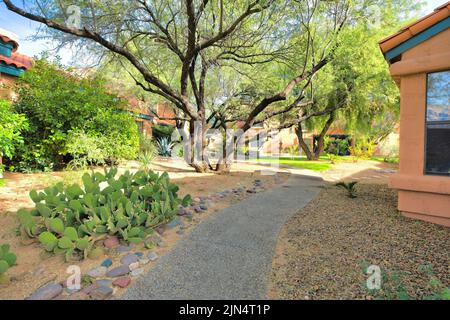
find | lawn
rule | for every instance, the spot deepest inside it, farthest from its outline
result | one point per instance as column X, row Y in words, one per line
column 2, row 182
column 298, row 162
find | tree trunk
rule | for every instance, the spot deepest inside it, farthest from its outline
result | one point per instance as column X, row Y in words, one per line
column 321, row 138
column 302, row 143
column 310, row 155
column 192, row 158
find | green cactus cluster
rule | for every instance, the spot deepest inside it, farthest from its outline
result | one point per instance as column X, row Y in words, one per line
column 70, row 219
column 7, row 260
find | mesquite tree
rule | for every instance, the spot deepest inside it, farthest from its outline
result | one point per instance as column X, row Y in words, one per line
column 172, row 48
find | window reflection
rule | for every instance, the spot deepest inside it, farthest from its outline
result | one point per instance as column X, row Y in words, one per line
column 438, row 96
column 438, row 124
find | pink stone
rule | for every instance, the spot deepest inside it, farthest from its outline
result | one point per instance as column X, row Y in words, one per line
column 89, row 289
column 122, row 282
column 111, row 242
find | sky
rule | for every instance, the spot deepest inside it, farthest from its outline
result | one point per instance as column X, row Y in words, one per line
column 25, row 28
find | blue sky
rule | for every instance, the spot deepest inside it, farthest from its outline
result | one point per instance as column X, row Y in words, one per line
column 25, row 28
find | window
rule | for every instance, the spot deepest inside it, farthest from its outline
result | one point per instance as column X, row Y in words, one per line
column 437, row 153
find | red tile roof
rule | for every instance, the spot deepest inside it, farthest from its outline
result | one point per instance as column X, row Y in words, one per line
column 20, row 61
column 406, row 33
column 8, row 39
column 17, row 60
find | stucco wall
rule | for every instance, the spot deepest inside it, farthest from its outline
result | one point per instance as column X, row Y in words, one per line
column 421, row 196
column 6, row 83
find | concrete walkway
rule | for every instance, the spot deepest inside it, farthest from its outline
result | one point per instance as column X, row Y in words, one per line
column 229, row 255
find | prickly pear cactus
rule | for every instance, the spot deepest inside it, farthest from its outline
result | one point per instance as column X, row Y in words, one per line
column 7, row 260
column 70, row 219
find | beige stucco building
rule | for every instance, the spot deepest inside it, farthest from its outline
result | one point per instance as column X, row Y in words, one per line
column 419, row 58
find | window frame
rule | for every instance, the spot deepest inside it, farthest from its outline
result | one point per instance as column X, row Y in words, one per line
column 426, row 123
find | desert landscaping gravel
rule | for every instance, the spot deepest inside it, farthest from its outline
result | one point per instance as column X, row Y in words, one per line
column 324, row 250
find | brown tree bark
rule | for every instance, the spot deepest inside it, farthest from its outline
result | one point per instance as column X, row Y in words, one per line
column 314, row 155
column 301, row 142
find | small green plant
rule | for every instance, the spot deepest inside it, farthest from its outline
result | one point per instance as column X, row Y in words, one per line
column 350, row 187
column 394, row 285
column 70, row 219
column 333, row 158
column 146, row 159
column 244, row 150
column 165, row 146
column 292, row 150
column 180, row 152
column 438, row 289
column 7, row 260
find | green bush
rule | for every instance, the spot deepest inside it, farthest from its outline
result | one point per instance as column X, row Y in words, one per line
column 161, row 131
column 12, row 125
column 86, row 150
column 338, row 147
column 57, row 104
column 70, row 219
column 364, row 149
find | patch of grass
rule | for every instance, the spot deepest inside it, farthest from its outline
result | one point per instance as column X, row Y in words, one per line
column 2, row 182
column 298, row 162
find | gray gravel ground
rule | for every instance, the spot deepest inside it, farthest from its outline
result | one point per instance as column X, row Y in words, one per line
column 324, row 249
column 229, row 255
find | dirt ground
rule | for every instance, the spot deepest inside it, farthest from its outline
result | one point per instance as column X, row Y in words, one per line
column 324, row 250
column 35, row 267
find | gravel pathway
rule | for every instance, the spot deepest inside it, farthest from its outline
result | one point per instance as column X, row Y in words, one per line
column 229, row 255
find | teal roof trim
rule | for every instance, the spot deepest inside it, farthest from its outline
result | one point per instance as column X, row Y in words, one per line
column 5, row 49
column 417, row 39
column 11, row 70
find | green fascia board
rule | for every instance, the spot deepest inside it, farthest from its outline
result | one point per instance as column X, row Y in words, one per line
column 11, row 70
column 143, row 116
column 418, row 38
column 136, row 115
column 5, row 49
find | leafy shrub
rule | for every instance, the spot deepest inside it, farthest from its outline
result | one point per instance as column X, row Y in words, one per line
column 165, row 146
column 364, row 149
column 12, row 125
column 57, row 103
column 7, row 260
column 70, row 219
column 85, row 150
column 338, row 147
column 292, row 150
column 160, row 131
